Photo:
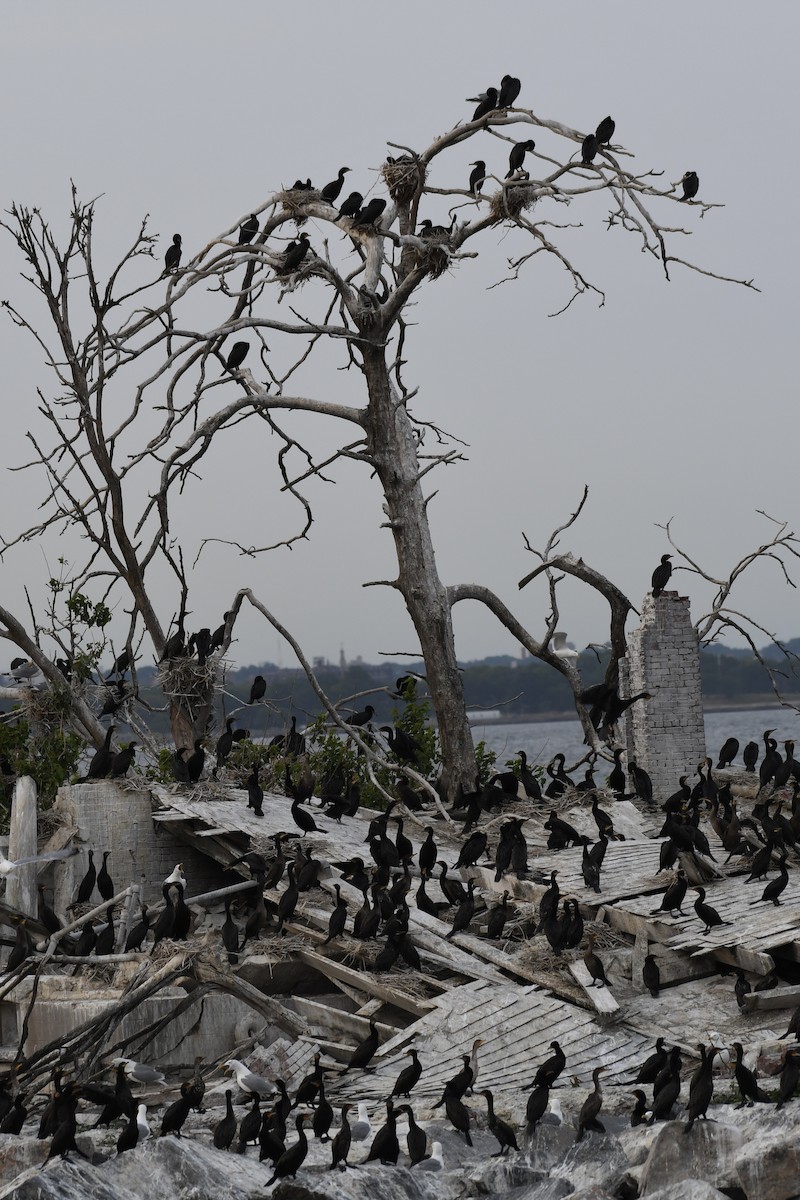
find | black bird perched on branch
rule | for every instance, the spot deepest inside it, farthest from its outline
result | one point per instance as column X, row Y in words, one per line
column 691, row 185
column 173, row 256
column 477, row 176
column 331, row 190
column 589, row 148
column 248, row 230
column 237, row 355
column 510, row 88
column 370, row 213
column 294, row 254
column 517, row 156
column 352, row 205
column 487, row 102
column 605, row 130
column 258, row 689
column 661, row 575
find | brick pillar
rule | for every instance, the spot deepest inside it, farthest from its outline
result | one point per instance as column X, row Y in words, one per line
column 665, row 734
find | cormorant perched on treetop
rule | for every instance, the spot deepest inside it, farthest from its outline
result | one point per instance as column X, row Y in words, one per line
column 487, row 103
column 248, row 230
column 477, row 176
column 352, row 205
column 173, row 256
column 517, row 156
column 589, row 148
column 661, row 575
column 332, row 189
column 509, row 90
column 691, row 185
column 237, row 355
column 370, row 212
column 294, row 254
column 258, row 689
column 605, row 130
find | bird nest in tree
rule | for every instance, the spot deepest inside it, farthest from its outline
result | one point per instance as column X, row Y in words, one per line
column 512, row 200
column 435, row 258
column 294, row 201
column 187, row 681
column 405, row 177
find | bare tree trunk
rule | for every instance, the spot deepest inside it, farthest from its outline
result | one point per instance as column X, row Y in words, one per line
column 393, row 449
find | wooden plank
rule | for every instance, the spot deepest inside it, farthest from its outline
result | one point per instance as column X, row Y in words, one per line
column 785, row 997
column 336, row 1019
column 365, row 983
column 601, row 998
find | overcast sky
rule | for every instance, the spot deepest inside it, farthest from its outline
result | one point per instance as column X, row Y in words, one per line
column 674, row 400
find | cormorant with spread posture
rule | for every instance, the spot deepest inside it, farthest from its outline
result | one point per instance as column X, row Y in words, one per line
column 605, row 130
column 691, row 185
column 331, row 190
column 477, row 176
column 517, row 156
column 173, row 256
column 661, row 575
column 510, row 88
column 487, row 103
column 238, row 354
column 248, row 230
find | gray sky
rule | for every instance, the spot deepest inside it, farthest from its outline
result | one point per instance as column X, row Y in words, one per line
column 669, row 401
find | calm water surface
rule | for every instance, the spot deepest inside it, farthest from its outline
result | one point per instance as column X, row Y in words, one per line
column 542, row 740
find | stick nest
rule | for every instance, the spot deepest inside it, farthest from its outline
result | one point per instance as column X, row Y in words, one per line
column 185, row 680
column 405, row 177
column 294, row 201
column 512, row 200
column 435, row 257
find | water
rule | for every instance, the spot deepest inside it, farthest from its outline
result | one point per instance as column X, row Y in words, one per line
column 542, row 740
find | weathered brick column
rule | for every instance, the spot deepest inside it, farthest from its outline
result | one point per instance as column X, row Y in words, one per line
column 665, row 734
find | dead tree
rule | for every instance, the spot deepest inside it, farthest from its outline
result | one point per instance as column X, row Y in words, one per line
column 136, row 405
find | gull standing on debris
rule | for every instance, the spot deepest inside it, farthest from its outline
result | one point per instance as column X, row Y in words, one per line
column 139, row 1072
column 361, row 1128
column 256, row 1085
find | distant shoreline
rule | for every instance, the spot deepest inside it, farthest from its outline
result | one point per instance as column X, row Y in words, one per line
column 710, row 705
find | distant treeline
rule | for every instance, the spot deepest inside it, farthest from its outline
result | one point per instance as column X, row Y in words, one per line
column 518, row 687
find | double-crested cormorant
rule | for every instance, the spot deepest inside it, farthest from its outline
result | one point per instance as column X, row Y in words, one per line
column 250, row 1126
column 790, row 1076
column 248, row 230
column 517, row 156
column 501, row 1129
column 457, row 1114
column 595, row 966
column 661, row 575
column 640, row 1114
column 728, row 753
column 100, row 765
column 225, row 743
column 701, row 1088
column 370, row 213
column 408, row 1078
column 750, row 756
column 477, row 176
column 510, row 88
column 641, row 781
column 551, row 1068
column 498, row 915
column 605, row 130
column 487, row 102
column 651, row 976
column 225, row 1130
column 323, row 1116
column 195, row 761
column 258, row 689
column 651, row 1067
column 365, row 1050
column 340, row 1146
column 352, row 205
column 465, row 913
column 775, row 886
column 536, row 1106
column 123, row 760
column 331, row 190
column 338, row 917
column 105, row 885
column 691, row 185
column 174, row 1117
column 673, row 897
column 472, row 849
column 292, row 1159
column 747, row 1082
column 591, row 1107
column 589, row 148
column 294, row 254
column 173, row 256
column 86, row 885
column 237, row 355
column 706, row 913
